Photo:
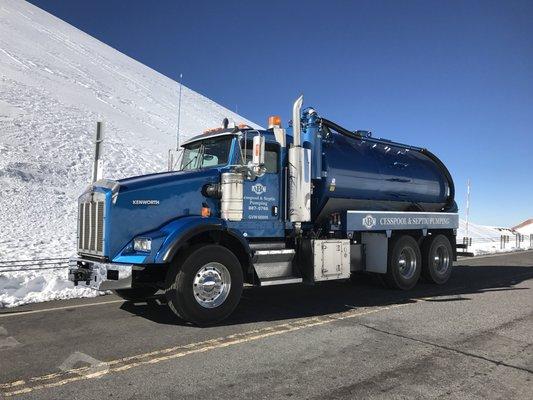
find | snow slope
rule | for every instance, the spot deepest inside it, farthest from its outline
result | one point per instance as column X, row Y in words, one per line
column 55, row 83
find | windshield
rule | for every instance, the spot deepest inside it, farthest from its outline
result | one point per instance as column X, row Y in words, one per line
column 206, row 153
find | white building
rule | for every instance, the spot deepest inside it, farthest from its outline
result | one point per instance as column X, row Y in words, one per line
column 525, row 228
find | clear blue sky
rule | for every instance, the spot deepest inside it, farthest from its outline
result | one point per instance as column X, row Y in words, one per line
column 453, row 76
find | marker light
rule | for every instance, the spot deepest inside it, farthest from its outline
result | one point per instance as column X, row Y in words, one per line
column 213, row 130
column 206, row 212
column 274, row 121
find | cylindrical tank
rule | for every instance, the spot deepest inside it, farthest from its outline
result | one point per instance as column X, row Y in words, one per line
column 375, row 174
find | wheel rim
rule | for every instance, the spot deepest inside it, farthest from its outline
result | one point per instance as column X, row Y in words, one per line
column 441, row 259
column 407, row 263
column 211, row 285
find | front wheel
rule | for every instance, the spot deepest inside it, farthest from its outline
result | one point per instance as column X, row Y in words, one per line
column 404, row 263
column 207, row 286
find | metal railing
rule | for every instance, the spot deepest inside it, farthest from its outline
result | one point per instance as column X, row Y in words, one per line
column 33, row 265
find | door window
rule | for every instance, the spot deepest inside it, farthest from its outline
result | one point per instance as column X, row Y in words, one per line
column 271, row 156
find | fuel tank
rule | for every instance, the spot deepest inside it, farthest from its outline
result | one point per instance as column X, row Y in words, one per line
column 362, row 173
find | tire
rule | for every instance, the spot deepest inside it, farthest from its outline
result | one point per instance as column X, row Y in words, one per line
column 437, row 259
column 136, row 294
column 404, row 263
column 207, row 270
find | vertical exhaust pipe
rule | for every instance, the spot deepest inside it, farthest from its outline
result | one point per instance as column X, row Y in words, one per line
column 299, row 172
column 296, row 121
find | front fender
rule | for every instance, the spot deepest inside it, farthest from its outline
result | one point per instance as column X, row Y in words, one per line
column 167, row 240
column 179, row 231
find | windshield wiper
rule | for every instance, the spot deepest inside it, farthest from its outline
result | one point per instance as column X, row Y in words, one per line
column 190, row 161
column 200, row 154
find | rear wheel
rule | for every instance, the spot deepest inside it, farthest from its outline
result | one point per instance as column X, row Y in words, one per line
column 136, row 294
column 404, row 263
column 437, row 259
column 207, row 287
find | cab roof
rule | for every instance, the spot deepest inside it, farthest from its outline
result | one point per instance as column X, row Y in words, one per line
column 213, row 133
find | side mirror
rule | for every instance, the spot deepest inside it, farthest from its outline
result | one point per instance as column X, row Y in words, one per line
column 256, row 166
column 258, row 152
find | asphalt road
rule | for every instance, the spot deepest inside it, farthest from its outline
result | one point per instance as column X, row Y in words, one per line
column 471, row 339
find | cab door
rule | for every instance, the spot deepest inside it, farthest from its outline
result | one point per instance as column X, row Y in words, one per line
column 262, row 196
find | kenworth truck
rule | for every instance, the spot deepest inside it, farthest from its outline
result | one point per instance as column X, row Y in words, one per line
column 315, row 202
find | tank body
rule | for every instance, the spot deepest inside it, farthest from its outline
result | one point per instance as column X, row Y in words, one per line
column 372, row 174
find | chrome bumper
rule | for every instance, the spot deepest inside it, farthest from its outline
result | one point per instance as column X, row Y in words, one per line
column 99, row 276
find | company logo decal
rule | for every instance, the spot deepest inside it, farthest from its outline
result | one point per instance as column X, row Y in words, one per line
column 145, row 202
column 369, row 222
column 259, row 189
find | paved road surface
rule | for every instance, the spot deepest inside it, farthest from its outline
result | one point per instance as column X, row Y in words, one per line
column 472, row 339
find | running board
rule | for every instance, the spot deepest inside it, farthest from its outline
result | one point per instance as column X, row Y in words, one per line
column 284, row 280
column 267, row 245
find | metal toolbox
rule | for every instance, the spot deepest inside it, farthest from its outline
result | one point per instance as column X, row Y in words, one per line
column 329, row 259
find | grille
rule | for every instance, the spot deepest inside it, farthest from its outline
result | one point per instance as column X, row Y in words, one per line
column 91, row 226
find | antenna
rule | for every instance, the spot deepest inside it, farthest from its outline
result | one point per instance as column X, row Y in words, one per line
column 179, row 113
column 467, row 203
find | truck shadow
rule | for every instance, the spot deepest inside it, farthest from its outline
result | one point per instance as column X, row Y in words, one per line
column 278, row 303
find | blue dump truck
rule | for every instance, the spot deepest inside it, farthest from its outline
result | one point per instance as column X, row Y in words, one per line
column 314, row 202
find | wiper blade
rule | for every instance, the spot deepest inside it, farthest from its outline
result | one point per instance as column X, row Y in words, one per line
column 199, row 154
column 190, row 161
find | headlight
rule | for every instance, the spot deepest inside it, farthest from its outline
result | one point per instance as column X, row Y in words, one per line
column 142, row 244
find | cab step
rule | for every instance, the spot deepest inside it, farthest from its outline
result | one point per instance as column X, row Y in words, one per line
column 273, row 263
column 267, row 245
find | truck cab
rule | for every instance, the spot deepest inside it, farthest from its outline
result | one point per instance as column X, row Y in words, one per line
column 265, row 207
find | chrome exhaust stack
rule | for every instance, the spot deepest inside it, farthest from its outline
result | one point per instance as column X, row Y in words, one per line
column 299, row 172
column 296, row 121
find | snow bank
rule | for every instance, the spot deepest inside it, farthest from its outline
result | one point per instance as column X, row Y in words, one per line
column 56, row 82
column 487, row 239
column 17, row 288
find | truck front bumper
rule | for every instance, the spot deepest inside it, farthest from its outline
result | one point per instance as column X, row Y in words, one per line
column 100, row 276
